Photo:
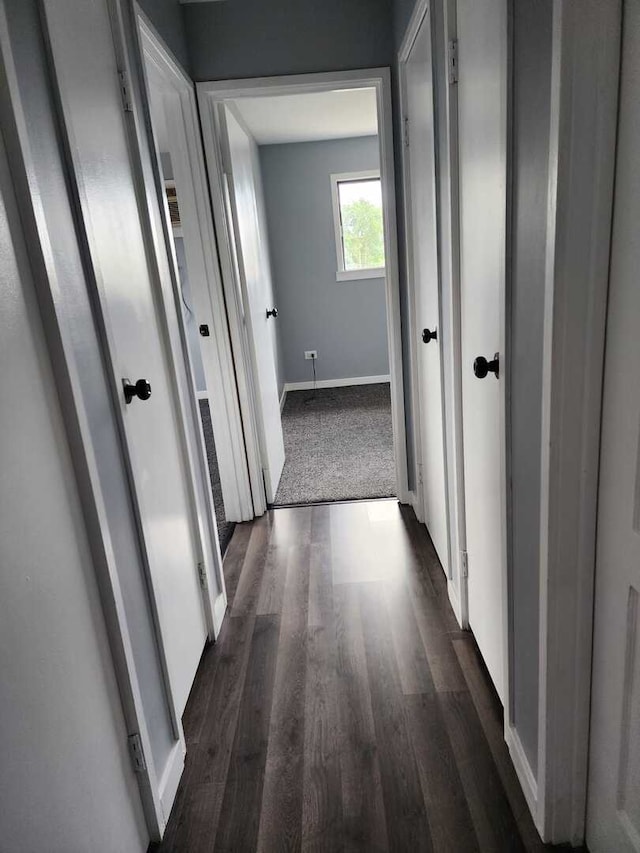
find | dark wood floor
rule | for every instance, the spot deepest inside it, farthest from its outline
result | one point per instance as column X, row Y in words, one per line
column 342, row 708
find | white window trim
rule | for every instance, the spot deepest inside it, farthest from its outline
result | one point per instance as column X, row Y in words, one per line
column 342, row 274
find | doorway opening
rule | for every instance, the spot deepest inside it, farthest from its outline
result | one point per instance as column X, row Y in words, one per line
column 302, row 173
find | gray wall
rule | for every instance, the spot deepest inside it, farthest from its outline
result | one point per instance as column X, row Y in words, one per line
column 532, row 74
column 167, row 16
column 254, row 38
column 344, row 320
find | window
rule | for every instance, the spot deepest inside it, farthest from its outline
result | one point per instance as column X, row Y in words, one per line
column 359, row 230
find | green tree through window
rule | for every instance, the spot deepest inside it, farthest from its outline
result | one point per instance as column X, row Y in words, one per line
column 361, row 221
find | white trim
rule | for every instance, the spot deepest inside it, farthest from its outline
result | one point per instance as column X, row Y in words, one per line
column 360, row 275
column 171, row 778
column 219, row 609
column 210, row 94
column 584, row 94
column 337, row 383
column 525, row 774
column 204, row 395
column 283, row 397
column 343, row 274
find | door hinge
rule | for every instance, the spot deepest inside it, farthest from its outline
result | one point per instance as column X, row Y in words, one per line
column 453, row 61
column 464, row 562
column 202, row 575
column 125, row 91
column 137, row 753
column 420, row 477
column 406, row 131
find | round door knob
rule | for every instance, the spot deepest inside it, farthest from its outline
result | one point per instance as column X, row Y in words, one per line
column 482, row 367
column 428, row 335
column 141, row 389
column 273, row 312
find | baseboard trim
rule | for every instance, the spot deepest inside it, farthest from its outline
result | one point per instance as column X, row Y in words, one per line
column 171, row 778
column 283, row 398
column 202, row 395
column 523, row 771
column 336, row 383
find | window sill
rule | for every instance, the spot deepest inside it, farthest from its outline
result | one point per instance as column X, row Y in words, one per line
column 356, row 275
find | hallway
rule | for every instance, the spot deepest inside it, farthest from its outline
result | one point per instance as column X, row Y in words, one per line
column 342, row 708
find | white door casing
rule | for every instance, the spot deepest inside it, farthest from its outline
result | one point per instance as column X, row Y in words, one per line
column 482, row 111
column 252, row 255
column 130, row 308
column 613, row 811
column 420, row 186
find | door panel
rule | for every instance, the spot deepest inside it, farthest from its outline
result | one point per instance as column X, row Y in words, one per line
column 87, row 76
column 245, row 192
column 613, row 813
column 424, row 253
column 482, row 38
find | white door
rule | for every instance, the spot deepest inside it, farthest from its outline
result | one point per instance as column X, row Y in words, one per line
column 87, row 75
column 424, row 254
column 482, row 105
column 245, row 190
column 613, row 813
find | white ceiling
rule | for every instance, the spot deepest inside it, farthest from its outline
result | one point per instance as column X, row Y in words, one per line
column 310, row 117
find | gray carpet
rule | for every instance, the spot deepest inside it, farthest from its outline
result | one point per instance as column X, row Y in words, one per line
column 338, row 444
column 225, row 528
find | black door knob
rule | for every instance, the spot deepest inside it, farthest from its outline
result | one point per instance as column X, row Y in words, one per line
column 428, row 335
column 141, row 390
column 481, row 367
column 273, row 312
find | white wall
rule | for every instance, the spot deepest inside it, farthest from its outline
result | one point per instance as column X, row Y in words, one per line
column 66, row 782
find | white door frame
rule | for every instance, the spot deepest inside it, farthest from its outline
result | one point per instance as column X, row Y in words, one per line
column 204, row 272
column 584, row 99
column 210, row 96
column 445, row 141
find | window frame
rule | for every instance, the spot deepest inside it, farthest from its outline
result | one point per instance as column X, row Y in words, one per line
column 343, row 274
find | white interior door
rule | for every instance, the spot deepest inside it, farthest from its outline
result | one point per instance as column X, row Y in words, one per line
column 613, row 813
column 245, row 190
column 87, row 75
column 482, row 106
column 424, row 254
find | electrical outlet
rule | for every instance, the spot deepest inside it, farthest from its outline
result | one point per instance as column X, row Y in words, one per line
column 310, row 354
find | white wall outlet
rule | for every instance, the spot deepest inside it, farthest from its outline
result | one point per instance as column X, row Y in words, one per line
column 310, row 354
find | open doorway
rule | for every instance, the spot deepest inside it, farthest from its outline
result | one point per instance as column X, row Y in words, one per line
column 305, row 198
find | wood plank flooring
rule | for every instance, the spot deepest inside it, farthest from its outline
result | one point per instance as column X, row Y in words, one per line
column 342, row 709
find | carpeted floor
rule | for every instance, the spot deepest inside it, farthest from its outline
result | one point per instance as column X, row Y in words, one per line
column 225, row 528
column 338, row 444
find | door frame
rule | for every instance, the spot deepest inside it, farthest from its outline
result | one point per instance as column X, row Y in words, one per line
column 445, row 153
column 582, row 150
column 210, row 96
column 206, row 285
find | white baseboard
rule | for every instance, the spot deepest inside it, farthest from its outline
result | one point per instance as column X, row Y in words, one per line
column 171, row 778
column 283, row 397
column 523, row 770
column 336, row 383
column 202, row 395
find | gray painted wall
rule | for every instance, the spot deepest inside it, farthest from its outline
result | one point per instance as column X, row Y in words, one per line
column 532, row 76
column 344, row 320
column 252, row 38
column 167, row 16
